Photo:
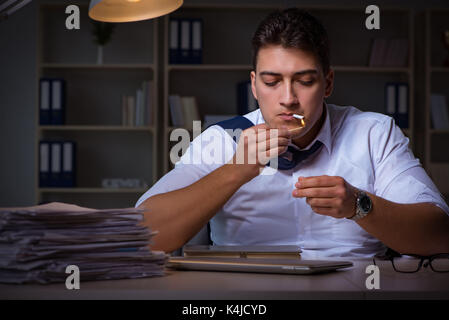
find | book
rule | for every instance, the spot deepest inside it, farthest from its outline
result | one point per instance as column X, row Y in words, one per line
column 44, row 102
column 196, row 56
column 378, row 51
column 176, row 113
column 390, row 99
column 55, row 164
column 68, row 175
column 389, row 52
column 185, row 41
column 174, row 41
column 44, row 164
column 397, row 53
column 401, row 116
column 190, row 111
column 139, row 114
column 137, row 110
column 57, row 109
column 280, row 251
column 438, row 108
column 397, row 102
column 131, row 111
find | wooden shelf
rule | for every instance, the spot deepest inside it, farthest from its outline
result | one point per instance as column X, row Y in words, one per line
column 245, row 67
column 439, row 69
column 93, row 105
column 371, row 69
column 210, row 67
column 171, row 128
column 439, row 131
column 92, row 190
column 95, row 128
column 96, row 66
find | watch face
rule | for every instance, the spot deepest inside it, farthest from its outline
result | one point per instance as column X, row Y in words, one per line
column 365, row 203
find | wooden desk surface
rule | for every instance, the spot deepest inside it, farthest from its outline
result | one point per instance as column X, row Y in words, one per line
column 191, row 285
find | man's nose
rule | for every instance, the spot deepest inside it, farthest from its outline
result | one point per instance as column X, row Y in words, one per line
column 288, row 95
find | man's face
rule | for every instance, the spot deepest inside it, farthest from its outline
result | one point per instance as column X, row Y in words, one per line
column 287, row 81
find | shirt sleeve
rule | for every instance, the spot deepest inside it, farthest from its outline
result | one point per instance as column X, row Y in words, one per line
column 399, row 176
column 206, row 153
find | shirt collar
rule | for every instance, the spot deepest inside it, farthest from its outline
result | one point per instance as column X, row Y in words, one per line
column 324, row 135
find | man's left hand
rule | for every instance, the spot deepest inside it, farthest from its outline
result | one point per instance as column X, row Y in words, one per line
column 330, row 196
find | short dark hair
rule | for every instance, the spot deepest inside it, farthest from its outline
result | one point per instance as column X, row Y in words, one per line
column 293, row 28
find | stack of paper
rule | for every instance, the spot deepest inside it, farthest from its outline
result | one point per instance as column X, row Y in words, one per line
column 38, row 243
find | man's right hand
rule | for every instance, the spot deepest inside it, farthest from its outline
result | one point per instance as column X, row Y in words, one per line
column 256, row 146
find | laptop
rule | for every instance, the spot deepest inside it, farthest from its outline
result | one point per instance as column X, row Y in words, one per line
column 238, row 251
column 288, row 266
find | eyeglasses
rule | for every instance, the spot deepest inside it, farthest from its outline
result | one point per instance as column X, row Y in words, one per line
column 410, row 263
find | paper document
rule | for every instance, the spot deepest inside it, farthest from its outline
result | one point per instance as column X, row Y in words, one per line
column 38, row 243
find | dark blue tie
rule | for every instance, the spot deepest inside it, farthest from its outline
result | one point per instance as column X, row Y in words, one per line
column 296, row 156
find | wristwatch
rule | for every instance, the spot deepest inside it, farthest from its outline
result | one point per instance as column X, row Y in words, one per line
column 363, row 206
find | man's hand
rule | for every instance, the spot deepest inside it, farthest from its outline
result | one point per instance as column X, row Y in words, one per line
column 257, row 145
column 330, row 196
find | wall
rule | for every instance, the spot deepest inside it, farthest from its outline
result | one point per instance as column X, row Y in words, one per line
column 17, row 106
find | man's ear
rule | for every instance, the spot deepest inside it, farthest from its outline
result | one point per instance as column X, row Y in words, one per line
column 253, row 84
column 329, row 83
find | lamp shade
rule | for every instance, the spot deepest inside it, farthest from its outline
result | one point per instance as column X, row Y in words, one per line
column 130, row 10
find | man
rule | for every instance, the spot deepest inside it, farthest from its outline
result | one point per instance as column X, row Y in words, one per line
column 357, row 189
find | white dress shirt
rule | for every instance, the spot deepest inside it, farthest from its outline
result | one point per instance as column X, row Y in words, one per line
column 367, row 149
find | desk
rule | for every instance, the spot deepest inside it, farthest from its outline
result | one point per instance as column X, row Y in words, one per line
column 192, row 285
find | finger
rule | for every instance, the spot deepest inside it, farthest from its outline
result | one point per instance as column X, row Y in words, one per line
column 270, row 154
column 322, row 192
column 255, row 129
column 324, row 202
column 272, row 143
column 284, row 132
column 269, row 134
column 317, row 181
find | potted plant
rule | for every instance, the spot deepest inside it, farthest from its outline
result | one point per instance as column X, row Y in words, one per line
column 102, row 32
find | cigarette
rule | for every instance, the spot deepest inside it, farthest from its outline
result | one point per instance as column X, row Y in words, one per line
column 303, row 124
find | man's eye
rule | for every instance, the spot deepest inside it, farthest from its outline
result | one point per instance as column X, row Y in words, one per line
column 307, row 83
column 271, row 84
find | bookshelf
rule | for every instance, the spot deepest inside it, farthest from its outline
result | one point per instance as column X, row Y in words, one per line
column 437, row 78
column 105, row 148
column 227, row 33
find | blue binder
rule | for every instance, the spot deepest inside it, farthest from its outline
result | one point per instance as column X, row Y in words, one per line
column 397, row 102
column 52, row 98
column 402, row 111
column 196, row 55
column 185, row 33
column 174, row 41
column 56, row 164
column 57, row 101
column 68, row 172
column 44, row 101
column 44, row 164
